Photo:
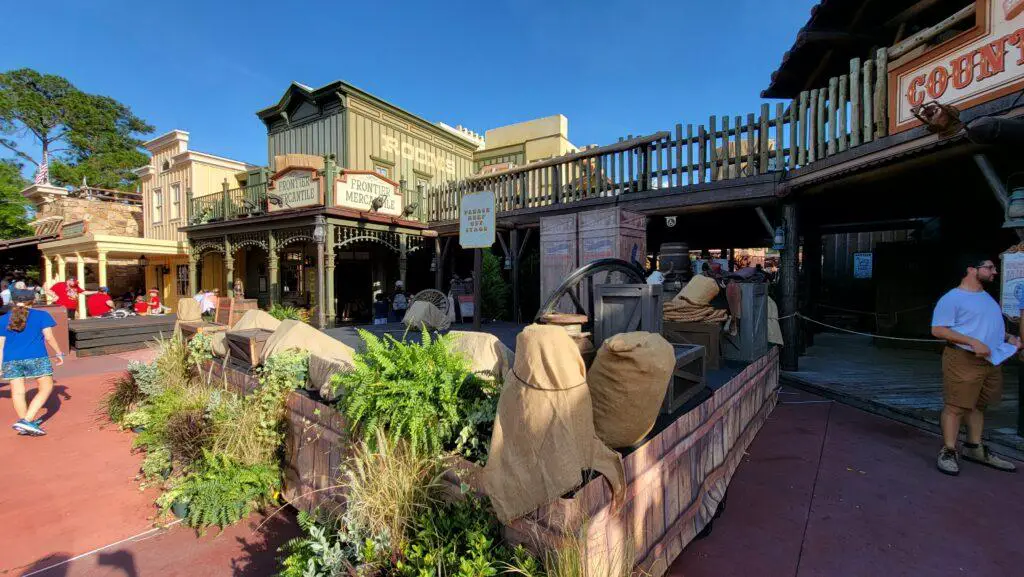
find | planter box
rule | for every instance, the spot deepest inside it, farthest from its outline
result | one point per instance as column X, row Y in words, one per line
column 674, row 481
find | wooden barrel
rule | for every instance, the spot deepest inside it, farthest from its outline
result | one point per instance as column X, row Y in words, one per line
column 674, row 256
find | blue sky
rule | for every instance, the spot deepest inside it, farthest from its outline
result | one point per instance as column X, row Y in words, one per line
column 612, row 67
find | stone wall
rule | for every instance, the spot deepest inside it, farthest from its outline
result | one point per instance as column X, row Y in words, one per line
column 104, row 217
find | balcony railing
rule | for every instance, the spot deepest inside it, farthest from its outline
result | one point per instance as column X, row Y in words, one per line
column 229, row 204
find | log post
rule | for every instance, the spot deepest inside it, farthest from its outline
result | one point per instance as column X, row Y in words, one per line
column 788, row 281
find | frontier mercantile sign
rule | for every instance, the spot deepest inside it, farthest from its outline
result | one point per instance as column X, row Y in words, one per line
column 979, row 65
column 294, row 188
column 368, row 192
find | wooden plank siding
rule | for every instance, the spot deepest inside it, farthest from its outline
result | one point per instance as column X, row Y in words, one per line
column 845, row 112
column 322, row 136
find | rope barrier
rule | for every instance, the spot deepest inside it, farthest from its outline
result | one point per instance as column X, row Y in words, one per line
column 808, row 319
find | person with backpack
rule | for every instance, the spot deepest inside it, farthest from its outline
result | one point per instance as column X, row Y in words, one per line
column 26, row 333
column 399, row 301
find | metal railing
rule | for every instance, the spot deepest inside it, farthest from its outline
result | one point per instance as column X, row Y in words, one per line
column 229, row 204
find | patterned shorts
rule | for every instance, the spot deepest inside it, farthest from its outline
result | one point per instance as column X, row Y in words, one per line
column 27, row 368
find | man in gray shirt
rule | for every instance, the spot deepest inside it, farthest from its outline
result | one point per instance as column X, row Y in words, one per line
column 971, row 323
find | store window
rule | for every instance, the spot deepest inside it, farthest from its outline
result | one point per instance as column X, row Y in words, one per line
column 181, row 280
column 175, row 201
column 158, row 205
column 166, row 166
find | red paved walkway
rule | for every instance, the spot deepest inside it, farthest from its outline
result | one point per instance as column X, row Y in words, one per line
column 829, row 490
column 73, row 491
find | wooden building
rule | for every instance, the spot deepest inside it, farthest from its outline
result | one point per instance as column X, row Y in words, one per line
column 341, row 206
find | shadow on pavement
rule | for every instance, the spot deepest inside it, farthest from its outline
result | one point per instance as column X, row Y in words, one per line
column 260, row 549
column 58, row 562
column 53, row 404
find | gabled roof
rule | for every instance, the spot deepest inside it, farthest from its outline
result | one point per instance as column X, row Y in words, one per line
column 839, row 30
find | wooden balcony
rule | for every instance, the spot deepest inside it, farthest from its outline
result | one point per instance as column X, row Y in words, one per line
column 228, row 204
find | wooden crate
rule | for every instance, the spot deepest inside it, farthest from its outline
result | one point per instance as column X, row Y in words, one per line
column 558, row 256
column 610, row 233
column 246, row 346
column 688, row 378
column 674, row 481
column 707, row 335
column 624, row 308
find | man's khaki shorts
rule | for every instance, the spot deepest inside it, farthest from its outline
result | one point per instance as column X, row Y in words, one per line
column 969, row 381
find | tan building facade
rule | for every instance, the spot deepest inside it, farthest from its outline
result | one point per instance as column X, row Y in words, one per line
column 522, row 143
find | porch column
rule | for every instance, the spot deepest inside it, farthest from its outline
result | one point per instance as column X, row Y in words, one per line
column 329, row 264
column 80, row 275
column 513, row 248
column 62, row 273
column 229, row 268
column 272, row 268
column 403, row 256
column 788, row 281
column 193, row 273
column 101, row 265
column 812, row 278
column 439, row 264
column 47, row 271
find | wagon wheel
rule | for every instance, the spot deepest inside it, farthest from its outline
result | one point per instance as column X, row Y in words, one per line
column 434, row 297
column 585, row 274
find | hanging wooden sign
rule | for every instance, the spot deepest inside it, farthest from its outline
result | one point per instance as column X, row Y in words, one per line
column 294, row 188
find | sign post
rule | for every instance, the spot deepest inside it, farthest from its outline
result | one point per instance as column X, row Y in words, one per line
column 476, row 231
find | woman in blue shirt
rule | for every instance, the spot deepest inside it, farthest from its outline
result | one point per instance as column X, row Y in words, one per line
column 26, row 333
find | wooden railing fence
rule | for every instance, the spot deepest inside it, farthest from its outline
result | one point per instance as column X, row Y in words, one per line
column 849, row 111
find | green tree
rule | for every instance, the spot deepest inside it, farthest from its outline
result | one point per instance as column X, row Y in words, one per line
column 82, row 134
column 493, row 288
column 13, row 206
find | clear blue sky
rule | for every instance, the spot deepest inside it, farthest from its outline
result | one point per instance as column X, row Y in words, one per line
column 612, row 67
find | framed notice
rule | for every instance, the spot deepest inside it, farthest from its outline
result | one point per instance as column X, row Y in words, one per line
column 1011, row 294
column 466, row 306
column 476, row 220
column 863, row 264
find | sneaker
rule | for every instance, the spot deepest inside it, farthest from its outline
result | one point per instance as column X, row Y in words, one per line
column 29, row 428
column 981, row 454
column 947, row 462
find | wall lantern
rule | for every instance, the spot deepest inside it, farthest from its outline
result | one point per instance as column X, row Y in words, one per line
column 433, row 264
column 143, row 261
column 508, row 263
column 320, row 230
column 779, row 242
column 1015, row 206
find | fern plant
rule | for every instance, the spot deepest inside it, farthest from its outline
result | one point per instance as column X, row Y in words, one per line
column 412, row 391
column 222, row 492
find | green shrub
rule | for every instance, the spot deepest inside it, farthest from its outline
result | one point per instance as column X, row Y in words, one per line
column 145, row 375
column 157, row 464
column 161, row 409
column 122, row 398
column 283, row 313
column 413, row 391
column 493, row 288
column 172, row 364
column 200, row 350
column 221, row 492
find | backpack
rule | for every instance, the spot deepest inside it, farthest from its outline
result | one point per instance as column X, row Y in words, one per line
column 400, row 303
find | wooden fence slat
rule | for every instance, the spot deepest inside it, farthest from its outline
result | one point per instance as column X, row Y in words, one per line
column 738, row 157
column 657, row 162
column 780, row 158
column 689, row 157
column 679, row 155
column 712, row 156
column 802, row 158
column 812, row 127
column 881, row 92
column 632, row 182
column 794, row 105
column 820, row 150
column 833, row 114
column 751, row 152
column 844, row 80
column 762, row 139
column 701, row 153
column 868, row 119
column 855, row 94
column 726, row 157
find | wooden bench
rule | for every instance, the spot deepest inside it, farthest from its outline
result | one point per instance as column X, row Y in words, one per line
column 104, row 336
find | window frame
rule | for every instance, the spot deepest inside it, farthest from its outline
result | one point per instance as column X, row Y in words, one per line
column 175, row 213
column 158, row 205
column 178, row 280
column 378, row 167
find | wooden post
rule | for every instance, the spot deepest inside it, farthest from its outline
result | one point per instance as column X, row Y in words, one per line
column 438, row 264
column 101, row 265
column 229, row 267
column 844, row 82
column 712, row 153
column 478, row 266
column 881, row 93
column 803, row 128
column 225, row 202
column 513, row 249
column 820, row 149
column 193, row 274
column 867, row 96
column 329, row 264
column 812, row 128
column 725, row 148
column 80, row 274
column 62, row 268
column 833, row 115
column 788, row 280
column 47, row 271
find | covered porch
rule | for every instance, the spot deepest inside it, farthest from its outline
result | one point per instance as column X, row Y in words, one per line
column 124, row 264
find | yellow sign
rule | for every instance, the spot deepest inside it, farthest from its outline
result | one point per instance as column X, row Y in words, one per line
column 476, row 220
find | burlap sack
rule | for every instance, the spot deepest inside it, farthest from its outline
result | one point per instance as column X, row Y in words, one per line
column 774, row 330
column 489, row 357
column 699, row 291
column 189, row 310
column 321, row 370
column 298, row 335
column 628, row 380
column 219, row 344
column 544, row 432
column 256, row 319
column 422, row 312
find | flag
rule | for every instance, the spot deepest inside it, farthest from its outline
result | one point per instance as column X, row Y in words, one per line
column 43, row 174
